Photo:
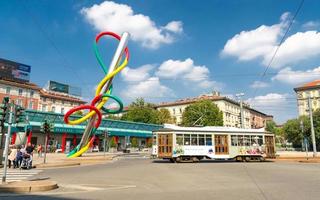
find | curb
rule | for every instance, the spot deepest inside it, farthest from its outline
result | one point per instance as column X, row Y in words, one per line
column 50, row 165
column 28, row 186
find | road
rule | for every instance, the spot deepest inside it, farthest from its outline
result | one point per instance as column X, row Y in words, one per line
column 139, row 178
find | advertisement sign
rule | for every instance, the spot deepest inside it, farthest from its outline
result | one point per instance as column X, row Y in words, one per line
column 14, row 71
column 64, row 88
column 58, row 87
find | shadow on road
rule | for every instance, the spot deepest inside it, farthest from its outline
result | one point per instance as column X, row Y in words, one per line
column 31, row 197
column 206, row 161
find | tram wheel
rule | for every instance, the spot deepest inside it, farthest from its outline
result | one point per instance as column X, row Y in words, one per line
column 178, row 159
column 195, row 159
column 247, row 159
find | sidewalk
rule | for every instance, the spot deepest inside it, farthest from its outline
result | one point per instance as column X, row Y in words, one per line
column 61, row 160
column 28, row 186
column 297, row 156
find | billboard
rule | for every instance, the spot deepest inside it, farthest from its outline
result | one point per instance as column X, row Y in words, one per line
column 14, row 71
column 58, row 87
column 64, row 88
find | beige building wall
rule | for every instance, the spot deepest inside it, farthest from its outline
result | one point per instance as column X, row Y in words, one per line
column 302, row 99
column 231, row 113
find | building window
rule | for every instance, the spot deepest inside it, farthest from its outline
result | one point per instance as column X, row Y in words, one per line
column 19, row 102
column 8, row 90
column 174, row 111
column 180, row 110
column 53, row 109
column 62, row 110
column 30, row 105
column 31, row 93
column 44, row 108
column 20, row 92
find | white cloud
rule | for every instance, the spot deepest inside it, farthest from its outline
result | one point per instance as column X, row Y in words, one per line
column 138, row 74
column 111, row 16
column 297, row 47
column 271, row 99
column 257, row 43
column 281, row 106
column 188, row 73
column 311, row 25
column 259, row 84
column 262, row 42
column 287, row 75
column 174, row 26
column 150, row 88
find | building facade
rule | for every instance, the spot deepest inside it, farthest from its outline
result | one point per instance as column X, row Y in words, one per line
column 32, row 97
column 23, row 94
column 309, row 90
column 230, row 109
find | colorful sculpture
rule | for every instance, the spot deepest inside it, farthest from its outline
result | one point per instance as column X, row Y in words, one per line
column 102, row 95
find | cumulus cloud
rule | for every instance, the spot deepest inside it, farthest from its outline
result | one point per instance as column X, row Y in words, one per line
column 149, row 88
column 120, row 17
column 276, row 104
column 259, row 84
column 188, row 72
column 311, row 25
column 289, row 76
column 271, row 99
column 298, row 47
column 257, row 43
column 262, row 42
column 139, row 74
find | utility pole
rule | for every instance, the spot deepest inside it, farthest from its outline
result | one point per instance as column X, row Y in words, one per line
column 312, row 128
column 6, row 147
column 305, row 140
column 239, row 95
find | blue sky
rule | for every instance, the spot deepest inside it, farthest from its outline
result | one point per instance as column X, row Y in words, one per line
column 178, row 48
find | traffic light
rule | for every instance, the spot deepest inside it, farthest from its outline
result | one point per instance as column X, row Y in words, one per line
column 20, row 116
column 47, row 127
column 3, row 109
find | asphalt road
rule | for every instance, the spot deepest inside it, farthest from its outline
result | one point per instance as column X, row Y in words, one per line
column 138, row 178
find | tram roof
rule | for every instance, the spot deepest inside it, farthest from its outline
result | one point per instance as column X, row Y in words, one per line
column 171, row 127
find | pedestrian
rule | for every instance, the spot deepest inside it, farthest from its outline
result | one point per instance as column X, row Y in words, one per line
column 12, row 156
column 29, row 150
column 19, row 157
column 39, row 150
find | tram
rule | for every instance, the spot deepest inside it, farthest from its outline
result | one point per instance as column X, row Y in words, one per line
column 192, row 144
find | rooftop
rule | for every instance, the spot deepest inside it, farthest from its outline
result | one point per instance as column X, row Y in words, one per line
column 310, row 85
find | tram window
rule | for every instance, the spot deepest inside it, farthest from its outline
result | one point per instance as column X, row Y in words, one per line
column 208, row 140
column 234, row 140
column 201, row 140
column 179, row 139
column 240, row 140
column 154, row 140
column 254, row 140
column 186, row 139
column 194, row 139
column 260, row 140
column 247, row 140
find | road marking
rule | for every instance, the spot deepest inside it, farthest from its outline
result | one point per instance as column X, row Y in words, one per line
column 19, row 175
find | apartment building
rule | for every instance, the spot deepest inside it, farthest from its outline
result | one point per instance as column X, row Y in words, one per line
column 312, row 90
column 229, row 107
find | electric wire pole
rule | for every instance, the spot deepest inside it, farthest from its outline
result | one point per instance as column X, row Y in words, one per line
column 312, row 128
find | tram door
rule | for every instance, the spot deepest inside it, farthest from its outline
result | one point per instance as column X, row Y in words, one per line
column 221, row 144
column 269, row 141
column 165, row 145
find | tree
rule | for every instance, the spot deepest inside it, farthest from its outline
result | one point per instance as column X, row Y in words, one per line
column 165, row 117
column 316, row 124
column 271, row 126
column 204, row 113
column 141, row 111
column 293, row 132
